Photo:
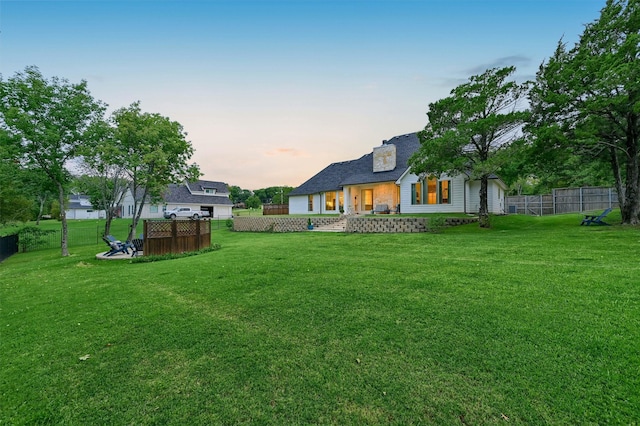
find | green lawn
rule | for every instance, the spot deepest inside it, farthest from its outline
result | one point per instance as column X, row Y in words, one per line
column 536, row 321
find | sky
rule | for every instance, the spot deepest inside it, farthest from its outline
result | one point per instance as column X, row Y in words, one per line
column 271, row 92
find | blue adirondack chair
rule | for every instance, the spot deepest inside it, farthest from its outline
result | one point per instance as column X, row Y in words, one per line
column 596, row 218
column 117, row 246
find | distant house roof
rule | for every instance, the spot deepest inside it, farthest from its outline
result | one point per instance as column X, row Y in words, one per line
column 194, row 193
column 201, row 185
column 79, row 201
column 335, row 176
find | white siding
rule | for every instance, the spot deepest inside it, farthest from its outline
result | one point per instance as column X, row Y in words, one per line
column 473, row 197
column 86, row 213
column 495, row 196
column 457, row 196
column 298, row 204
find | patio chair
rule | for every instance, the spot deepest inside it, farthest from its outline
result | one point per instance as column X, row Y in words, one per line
column 138, row 245
column 595, row 219
column 115, row 247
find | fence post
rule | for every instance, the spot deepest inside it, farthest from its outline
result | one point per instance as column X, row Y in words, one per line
column 541, row 209
column 197, row 235
column 174, row 236
column 581, row 202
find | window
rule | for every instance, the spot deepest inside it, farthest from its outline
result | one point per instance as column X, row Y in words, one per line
column 416, row 193
column 153, row 209
column 209, row 191
column 341, row 200
column 432, row 195
column 310, row 203
column 431, row 191
column 445, row 197
column 330, row 200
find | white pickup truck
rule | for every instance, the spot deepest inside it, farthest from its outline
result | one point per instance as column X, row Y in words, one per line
column 185, row 212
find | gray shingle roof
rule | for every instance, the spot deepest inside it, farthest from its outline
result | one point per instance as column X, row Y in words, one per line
column 180, row 194
column 360, row 171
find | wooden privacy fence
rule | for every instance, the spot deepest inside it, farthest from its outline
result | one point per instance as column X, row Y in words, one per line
column 269, row 209
column 563, row 200
column 175, row 236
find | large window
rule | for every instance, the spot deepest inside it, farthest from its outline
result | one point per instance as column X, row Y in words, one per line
column 310, row 203
column 330, row 201
column 153, row 208
column 431, row 191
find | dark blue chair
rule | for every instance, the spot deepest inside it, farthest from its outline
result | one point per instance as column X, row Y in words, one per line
column 116, row 246
column 596, row 219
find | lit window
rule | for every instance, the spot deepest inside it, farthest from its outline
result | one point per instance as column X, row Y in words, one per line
column 445, row 195
column 432, row 196
column 416, row 193
column 330, row 200
column 431, row 191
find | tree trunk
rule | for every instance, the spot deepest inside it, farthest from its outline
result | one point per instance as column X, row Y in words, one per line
column 483, row 213
column 63, row 218
column 108, row 219
column 630, row 203
column 41, row 209
column 136, row 215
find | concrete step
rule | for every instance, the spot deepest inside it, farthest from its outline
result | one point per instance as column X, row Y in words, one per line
column 339, row 226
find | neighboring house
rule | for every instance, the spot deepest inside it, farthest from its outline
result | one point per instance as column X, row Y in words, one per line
column 80, row 208
column 384, row 177
column 200, row 195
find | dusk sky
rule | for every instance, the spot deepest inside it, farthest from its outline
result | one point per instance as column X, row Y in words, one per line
column 271, row 92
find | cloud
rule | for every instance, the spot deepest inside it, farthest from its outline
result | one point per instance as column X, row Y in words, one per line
column 291, row 152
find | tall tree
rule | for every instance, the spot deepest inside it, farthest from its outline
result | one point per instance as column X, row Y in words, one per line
column 49, row 118
column 105, row 180
column 586, row 101
column 154, row 151
column 470, row 131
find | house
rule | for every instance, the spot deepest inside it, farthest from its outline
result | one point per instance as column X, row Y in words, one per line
column 384, row 177
column 200, row 195
column 80, row 207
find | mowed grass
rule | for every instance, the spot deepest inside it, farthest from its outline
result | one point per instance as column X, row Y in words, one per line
column 536, row 321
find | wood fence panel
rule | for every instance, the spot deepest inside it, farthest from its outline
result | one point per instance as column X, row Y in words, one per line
column 273, row 209
column 175, row 236
column 563, row 200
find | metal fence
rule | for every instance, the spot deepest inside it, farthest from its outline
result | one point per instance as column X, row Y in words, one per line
column 563, row 200
column 8, row 246
column 32, row 238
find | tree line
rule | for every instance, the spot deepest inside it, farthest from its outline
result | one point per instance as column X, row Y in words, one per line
column 254, row 199
column 577, row 123
column 49, row 126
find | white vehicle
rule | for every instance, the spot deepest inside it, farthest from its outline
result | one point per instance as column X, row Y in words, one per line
column 185, row 212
